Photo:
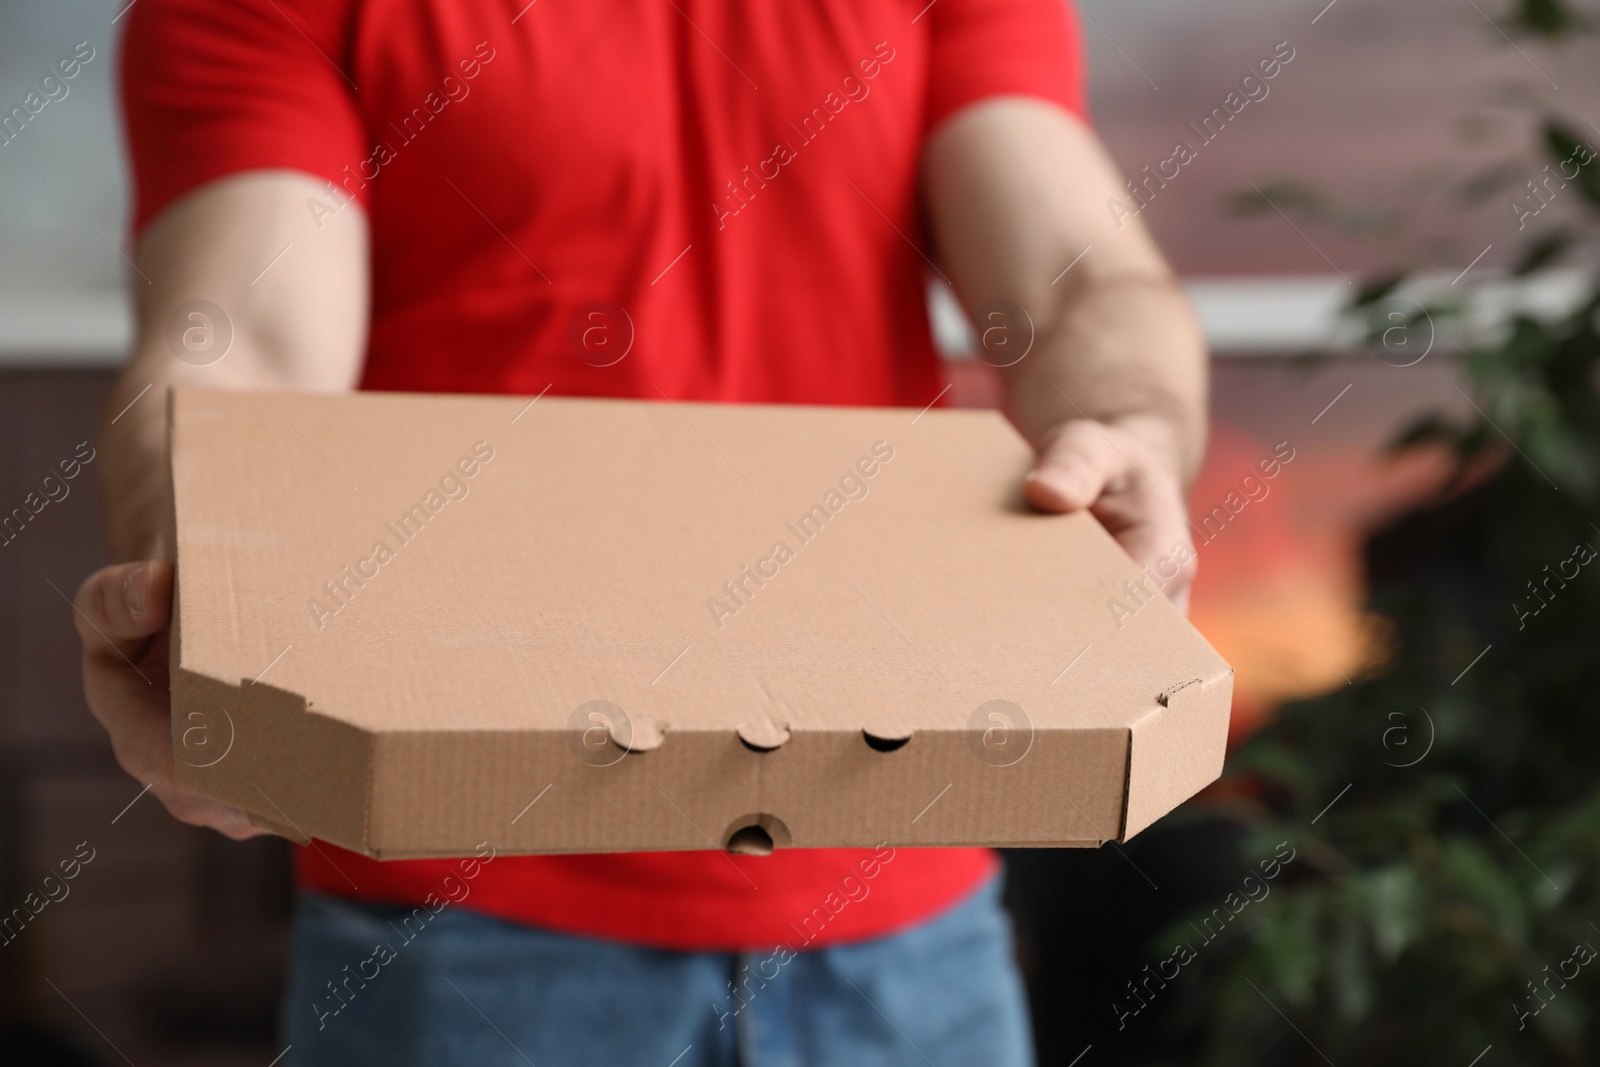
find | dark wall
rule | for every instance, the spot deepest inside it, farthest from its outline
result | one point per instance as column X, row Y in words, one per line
column 169, row 940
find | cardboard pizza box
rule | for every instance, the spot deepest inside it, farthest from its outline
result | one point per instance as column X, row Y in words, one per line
column 408, row 624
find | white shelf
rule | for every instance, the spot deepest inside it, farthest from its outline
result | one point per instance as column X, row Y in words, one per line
column 1242, row 316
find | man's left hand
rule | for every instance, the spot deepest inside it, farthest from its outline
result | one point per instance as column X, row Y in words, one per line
column 1127, row 483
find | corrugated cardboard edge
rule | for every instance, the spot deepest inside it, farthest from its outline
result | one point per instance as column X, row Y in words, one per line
column 525, row 791
column 283, row 748
column 392, row 855
column 269, row 747
column 1176, row 749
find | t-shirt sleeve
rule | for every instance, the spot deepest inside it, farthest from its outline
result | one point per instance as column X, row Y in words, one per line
column 984, row 48
column 214, row 88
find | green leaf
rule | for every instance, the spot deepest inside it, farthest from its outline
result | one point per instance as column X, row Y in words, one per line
column 1279, row 195
column 1475, row 876
column 1347, row 968
column 1428, row 430
column 1393, row 900
column 1543, row 252
column 1375, row 289
column 1291, row 948
column 1546, row 18
column 1573, row 161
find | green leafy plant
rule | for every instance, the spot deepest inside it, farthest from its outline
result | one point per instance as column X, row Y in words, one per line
column 1445, row 902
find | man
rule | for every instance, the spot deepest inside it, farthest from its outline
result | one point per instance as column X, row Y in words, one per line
column 745, row 200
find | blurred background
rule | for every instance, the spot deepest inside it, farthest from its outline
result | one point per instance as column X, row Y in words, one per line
column 1353, row 248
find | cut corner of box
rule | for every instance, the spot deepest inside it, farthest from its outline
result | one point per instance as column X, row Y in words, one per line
column 1176, row 749
column 248, row 743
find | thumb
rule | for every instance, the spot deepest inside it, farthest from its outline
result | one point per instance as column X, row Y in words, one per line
column 119, row 607
column 1076, row 465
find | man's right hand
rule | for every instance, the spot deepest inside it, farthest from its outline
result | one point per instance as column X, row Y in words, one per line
column 124, row 613
column 300, row 326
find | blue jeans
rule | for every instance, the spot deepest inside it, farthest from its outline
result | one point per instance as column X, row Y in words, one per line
column 473, row 990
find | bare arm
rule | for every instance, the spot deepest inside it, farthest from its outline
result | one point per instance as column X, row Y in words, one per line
column 300, row 323
column 1113, row 391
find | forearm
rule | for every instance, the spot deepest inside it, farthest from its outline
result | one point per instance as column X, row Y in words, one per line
column 1017, row 190
column 1121, row 349
column 135, row 478
column 238, row 287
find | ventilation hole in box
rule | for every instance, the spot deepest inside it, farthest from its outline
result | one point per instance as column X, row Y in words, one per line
column 756, row 835
column 884, row 744
column 751, row 841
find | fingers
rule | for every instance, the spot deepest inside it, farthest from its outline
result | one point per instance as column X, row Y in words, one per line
column 198, row 811
column 1123, row 481
column 1153, row 528
column 1076, row 465
column 119, row 608
column 141, row 740
column 1179, row 561
column 122, row 613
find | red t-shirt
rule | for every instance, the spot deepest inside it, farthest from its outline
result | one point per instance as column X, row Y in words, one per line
column 697, row 199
